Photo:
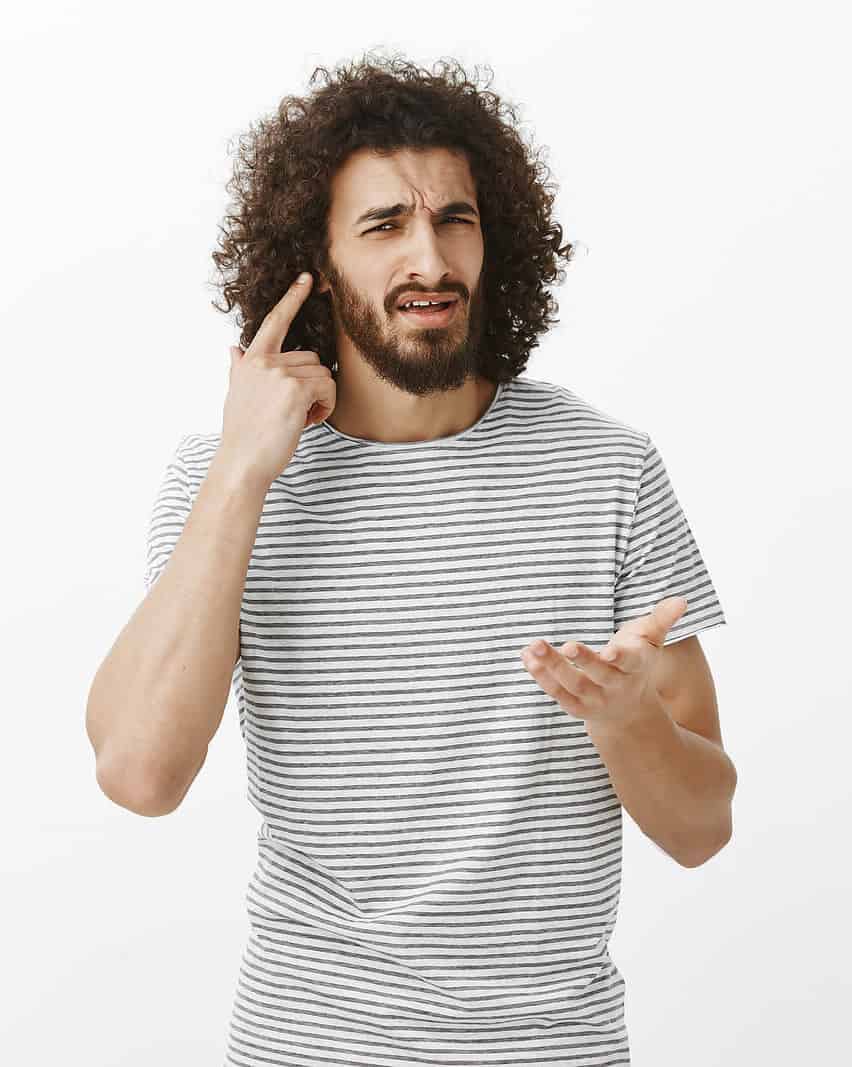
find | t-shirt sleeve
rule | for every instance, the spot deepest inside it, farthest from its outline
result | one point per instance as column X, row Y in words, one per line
column 170, row 511
column 662, row 558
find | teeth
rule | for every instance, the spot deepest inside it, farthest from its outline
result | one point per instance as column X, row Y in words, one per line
column 422, row 303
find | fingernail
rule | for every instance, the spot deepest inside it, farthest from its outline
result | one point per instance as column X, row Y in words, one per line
column 303, row 277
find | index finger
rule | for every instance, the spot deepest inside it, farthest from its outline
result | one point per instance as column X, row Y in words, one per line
column 278, row 320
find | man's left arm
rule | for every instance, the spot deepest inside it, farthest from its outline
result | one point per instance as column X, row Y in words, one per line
column 668, row 766
column 651, row 712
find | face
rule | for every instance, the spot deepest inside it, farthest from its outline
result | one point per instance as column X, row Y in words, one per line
column 374, row 262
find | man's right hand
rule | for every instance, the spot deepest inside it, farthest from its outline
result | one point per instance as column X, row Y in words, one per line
column 273, row 395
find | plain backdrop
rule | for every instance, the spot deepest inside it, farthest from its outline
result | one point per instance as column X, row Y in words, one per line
column 703, row 159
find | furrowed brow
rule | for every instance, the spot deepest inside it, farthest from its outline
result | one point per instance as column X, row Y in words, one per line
column 377, row 214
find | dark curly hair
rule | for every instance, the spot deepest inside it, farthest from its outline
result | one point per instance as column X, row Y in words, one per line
column 282, row 180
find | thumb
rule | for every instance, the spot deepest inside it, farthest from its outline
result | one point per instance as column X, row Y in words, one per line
column 234, row 354
column 667, row 612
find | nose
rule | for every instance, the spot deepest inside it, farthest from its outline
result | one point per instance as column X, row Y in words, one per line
column 423, row 257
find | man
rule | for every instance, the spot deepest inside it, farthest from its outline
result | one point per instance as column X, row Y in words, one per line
column 439, row 859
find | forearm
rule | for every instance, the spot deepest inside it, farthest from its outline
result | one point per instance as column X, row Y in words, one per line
column 675, row 784
column 160, row 694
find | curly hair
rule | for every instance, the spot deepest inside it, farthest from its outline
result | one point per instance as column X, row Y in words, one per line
column 281, row 184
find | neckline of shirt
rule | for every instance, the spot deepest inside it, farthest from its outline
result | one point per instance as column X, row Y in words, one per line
column 422, row 444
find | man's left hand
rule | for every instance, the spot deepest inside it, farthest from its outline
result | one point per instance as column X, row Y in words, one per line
column 613, row 686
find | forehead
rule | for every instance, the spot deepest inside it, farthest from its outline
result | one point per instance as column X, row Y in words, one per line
column 430, row 177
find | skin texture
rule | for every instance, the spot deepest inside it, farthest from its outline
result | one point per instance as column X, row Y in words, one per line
column 398, row 380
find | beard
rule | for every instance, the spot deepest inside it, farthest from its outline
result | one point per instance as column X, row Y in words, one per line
column 420, row 360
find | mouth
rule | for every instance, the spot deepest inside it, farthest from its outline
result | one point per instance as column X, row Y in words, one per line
column 440, row 315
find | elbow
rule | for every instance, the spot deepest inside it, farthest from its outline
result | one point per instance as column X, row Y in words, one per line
column 712, row 846
column 698, row 857
column 142, row 796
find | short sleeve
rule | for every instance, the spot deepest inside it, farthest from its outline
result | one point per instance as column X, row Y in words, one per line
column 170, row 511
column 662, row 558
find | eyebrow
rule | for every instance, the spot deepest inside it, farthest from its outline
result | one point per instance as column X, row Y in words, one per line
column 456, row 207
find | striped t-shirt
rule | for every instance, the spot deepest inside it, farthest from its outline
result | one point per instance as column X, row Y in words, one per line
column 439, row 856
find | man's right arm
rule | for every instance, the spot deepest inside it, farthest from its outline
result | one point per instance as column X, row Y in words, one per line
column 159, row 696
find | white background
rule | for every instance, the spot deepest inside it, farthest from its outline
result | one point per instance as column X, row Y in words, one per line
column 703, row 156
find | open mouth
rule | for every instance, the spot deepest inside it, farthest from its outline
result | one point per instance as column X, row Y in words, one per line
column 437, row 315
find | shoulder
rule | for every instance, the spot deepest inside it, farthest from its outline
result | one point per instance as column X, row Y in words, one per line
column 556, row 407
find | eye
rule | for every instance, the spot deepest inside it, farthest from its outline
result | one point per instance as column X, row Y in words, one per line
column 449, row 218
